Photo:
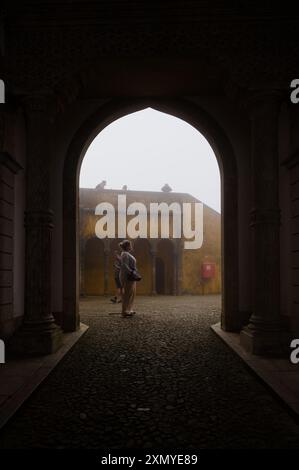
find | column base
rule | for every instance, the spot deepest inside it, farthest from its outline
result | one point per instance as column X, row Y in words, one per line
column 232, row 322
column 274, row 343
column 36, row 339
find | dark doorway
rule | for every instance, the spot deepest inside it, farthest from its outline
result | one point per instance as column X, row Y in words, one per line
column 160, row 276
column 165, row 253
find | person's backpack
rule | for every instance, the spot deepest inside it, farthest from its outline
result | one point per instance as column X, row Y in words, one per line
column 134, row 275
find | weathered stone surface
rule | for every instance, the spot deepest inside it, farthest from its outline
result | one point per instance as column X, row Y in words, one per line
column 217, row 402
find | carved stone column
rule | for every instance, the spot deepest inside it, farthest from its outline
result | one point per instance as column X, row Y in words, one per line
column 106, row 265
column 39, row 334
column 265, row 333
column 9, row 168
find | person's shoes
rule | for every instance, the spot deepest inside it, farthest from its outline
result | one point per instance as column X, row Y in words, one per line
column 113, row 300
column 119, row 301
column 127, row 314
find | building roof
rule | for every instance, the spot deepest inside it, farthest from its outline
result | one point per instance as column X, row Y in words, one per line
column 91, row 197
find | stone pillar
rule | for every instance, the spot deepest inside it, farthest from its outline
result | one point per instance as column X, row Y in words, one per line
column 8, row 170
column 39, row 334
column 264, row 334
column 153, row 253
column 106, row 265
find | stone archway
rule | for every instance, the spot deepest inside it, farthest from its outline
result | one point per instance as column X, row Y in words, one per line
column 210, row 128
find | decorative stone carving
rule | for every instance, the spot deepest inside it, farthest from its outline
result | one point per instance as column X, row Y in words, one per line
column 62, row 44
column 265, row 334
column 39, row 334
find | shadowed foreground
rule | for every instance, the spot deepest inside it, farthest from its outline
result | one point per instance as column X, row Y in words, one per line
column 160, row 379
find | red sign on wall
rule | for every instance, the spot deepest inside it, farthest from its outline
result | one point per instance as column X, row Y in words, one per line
column 208, row 270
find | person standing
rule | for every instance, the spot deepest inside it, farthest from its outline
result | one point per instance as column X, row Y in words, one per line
column 128, row 267
column 117, row 266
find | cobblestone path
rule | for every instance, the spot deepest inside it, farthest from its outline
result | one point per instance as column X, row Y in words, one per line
column 161, row 378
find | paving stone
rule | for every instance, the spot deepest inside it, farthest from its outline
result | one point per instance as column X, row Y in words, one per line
column 194, row 391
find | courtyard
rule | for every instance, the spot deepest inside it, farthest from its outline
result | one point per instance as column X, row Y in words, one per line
column 159, row 379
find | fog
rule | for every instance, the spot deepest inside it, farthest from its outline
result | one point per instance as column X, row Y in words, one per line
column 148, row 149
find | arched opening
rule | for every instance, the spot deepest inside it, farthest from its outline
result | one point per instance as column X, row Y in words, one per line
column 223, row 151
column 165, row 268
column 145, row 149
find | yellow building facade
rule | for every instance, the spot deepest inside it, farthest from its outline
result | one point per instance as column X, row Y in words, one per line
column 166, row 266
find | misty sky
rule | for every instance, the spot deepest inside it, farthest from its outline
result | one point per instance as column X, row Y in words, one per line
column 147, row 149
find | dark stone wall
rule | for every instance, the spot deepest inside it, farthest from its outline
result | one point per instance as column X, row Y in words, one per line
column 8, row 169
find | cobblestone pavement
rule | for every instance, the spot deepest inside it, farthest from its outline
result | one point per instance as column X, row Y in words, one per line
column 161, row 378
